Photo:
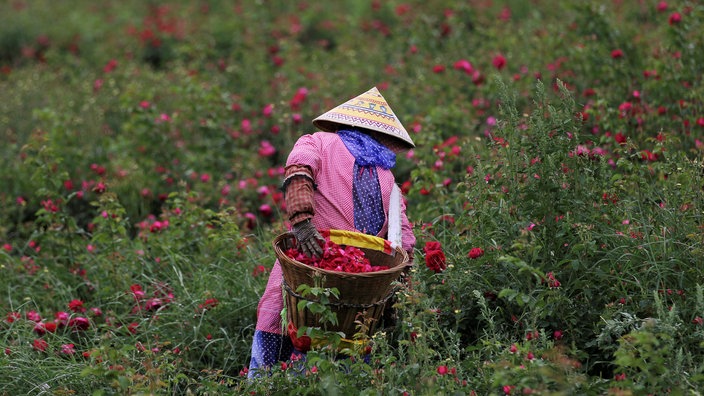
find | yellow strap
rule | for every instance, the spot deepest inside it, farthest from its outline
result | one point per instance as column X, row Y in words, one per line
column 357, row 239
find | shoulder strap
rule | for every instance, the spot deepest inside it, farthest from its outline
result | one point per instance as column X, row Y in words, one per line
column 395, row 217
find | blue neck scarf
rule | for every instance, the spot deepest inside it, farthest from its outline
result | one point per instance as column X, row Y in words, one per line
column 369, row 214
column 366, row 150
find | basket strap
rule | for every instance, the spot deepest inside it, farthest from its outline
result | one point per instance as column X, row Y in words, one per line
column 395, row 217
column 288, row 290
column 357, row 239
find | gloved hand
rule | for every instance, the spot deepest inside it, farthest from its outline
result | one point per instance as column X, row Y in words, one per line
column 310, row 242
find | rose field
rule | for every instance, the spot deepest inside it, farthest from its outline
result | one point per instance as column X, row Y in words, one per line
column 556, row 192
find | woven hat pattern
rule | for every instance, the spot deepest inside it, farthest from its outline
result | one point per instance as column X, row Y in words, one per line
column 370, row 111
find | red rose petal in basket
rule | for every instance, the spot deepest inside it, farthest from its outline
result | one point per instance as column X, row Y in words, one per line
column 337, row 258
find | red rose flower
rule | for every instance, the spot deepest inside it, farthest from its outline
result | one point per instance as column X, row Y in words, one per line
column 435, row 260
column 475, row 253
column 434, row 256
column 300, row 343
column 76, row 306
column 438, row 69
column 40, row 345
column 499, row 61
column 675, row 18
column 432, row 245
column 79, row 323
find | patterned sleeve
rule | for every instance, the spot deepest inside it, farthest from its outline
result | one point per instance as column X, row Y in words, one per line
column 298, row 192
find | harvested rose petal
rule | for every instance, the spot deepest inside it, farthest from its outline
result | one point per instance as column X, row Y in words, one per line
column 338, row 258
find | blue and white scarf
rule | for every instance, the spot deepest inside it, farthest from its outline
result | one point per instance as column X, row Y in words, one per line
column 369, row 213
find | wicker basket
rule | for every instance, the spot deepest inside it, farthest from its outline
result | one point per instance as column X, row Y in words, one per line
column 360, row 293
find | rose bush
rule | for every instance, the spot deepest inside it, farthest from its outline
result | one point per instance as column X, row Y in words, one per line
column 555, row 191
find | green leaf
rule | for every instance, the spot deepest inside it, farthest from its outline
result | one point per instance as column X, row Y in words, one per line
column 510, row 294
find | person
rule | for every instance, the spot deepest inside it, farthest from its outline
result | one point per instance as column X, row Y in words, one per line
column 337, row 178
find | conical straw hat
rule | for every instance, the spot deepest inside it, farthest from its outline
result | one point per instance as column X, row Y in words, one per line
column 369, row 111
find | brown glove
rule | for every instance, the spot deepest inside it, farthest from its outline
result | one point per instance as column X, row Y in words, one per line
column 310, row 242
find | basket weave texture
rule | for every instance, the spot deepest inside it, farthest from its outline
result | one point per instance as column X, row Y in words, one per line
column 360, row 293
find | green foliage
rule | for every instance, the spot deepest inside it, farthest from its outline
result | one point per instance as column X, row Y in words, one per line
column 558, row 166
column 318, row 301
column 653, row 356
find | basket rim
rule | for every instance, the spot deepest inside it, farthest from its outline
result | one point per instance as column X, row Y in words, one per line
column 283, row 257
